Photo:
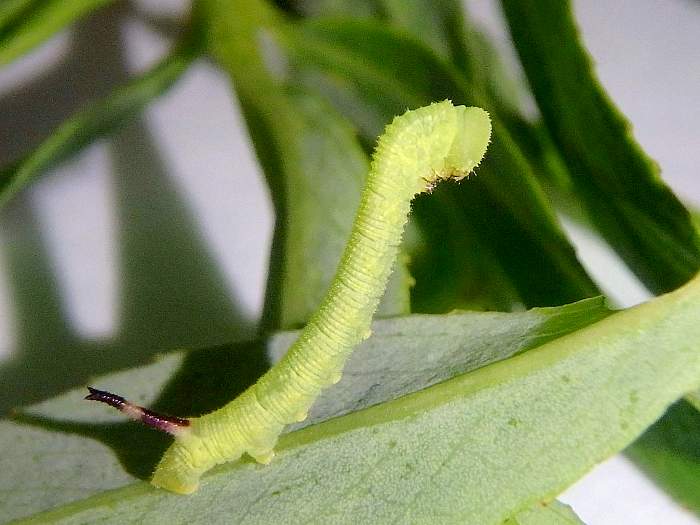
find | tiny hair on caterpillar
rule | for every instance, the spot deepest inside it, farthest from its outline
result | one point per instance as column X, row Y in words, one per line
column 416, row 151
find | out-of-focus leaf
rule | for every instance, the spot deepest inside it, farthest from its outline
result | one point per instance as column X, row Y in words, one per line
column 26, row 23
column 474, row 449
column 442, row 26
column 451, row 265
column 694, row 399
column 553, row 513
column 97, row 120
column 313, row 163
column 333, row 8
column 695, row 217
column 10, row 10
column 437, row 23
column 446, row 28
column 385, row 72
column 449, row 243
column 670, row 452
column 620, row 186
column 550, row 170
column 59, row 440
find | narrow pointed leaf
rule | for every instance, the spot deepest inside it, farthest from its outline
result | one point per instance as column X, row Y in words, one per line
column 96, row 120
column 619, row 185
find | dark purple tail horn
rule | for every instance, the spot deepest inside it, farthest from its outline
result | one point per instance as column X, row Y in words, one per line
column 170, row 424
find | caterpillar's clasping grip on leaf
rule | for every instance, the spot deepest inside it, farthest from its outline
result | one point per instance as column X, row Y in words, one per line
column 417, row 150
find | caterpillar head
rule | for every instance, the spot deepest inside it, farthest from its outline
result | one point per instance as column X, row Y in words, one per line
column 472, row 134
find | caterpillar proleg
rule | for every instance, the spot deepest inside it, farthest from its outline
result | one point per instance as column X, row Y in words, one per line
column 417, row 150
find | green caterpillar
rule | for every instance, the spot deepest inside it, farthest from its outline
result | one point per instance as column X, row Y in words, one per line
column 417, row 150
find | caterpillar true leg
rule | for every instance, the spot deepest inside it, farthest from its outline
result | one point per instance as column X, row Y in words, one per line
column 417, row 150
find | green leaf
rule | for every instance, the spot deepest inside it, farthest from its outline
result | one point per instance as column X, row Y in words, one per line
column 96, row 120
column 445, row 27
column 442, row 26
column 619, row 185
column 451, row 265
column 405, row 354
column 473, row 449
column 449, row 244
column 313, row 164
column 670, row 452
column 438, row 23
column 26, row 23
column 553, row 513
column 694, row 399
column 694, row 216
column 385, row 72
column 11, row 10
column 334, row 8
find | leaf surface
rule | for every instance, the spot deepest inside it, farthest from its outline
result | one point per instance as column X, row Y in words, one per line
column 553, row 513
column 694, row 399
column 476, row 448
column 66, row 449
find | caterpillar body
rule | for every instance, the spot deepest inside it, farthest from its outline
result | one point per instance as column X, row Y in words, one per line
column 417, row 149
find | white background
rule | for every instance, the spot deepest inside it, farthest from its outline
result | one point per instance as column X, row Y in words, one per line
column 186, row 173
